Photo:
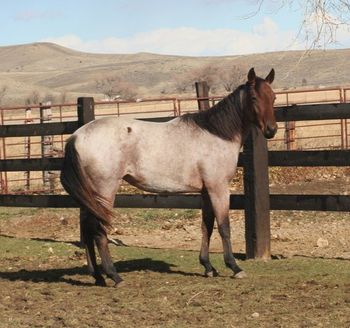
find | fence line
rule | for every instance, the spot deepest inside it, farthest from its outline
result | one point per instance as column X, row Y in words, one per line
column 334, row 134
column 255, row 160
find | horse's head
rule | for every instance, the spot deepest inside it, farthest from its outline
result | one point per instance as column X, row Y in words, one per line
column 260, row 100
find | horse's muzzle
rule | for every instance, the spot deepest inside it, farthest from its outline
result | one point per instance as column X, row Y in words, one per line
column 270, row 131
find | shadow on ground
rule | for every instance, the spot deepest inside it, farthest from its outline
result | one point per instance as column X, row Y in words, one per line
column 62, row 274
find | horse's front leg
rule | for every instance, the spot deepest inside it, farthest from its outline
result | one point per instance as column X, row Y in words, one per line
column 220, row 199
column 207, row 230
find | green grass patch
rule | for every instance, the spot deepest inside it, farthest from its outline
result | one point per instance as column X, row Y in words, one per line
column 165, row 288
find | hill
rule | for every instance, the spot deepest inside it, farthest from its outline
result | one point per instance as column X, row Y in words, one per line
column 47, row 68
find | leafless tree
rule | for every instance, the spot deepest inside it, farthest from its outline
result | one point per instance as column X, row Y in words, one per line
column 49, row 97
column 182, row 84
column 231, row 77
column 33, row 98
column 217, row 76
column 208, row 73
column 107, row 86
column 63, row 97
column 113, row 86
column 127, row 91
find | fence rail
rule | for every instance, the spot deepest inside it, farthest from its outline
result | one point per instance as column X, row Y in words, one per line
column 275, row 158
column 39, row 129
column 315, row 202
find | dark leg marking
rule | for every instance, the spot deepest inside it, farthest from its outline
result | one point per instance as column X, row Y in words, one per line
column 107, row 263
column 208, row 218
column 87, row 229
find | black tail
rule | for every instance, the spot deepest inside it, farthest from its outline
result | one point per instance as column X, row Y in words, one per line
column 79, row 186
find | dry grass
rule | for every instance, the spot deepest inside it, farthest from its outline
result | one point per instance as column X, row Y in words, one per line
column 44, row 284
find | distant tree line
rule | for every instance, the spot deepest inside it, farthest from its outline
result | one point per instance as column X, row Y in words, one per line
column 36, row 98
column 219, row 78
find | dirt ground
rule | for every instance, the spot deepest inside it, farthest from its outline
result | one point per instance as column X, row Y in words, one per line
column 43, row 281
column 311, row 234
column 314, row 234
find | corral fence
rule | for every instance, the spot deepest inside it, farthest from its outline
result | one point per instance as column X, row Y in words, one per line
column 255, row 160
column 292, row 135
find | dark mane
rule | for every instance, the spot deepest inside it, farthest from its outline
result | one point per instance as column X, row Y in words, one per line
column 224, row 119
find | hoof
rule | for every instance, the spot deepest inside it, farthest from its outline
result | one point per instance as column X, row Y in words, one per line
column 211, row 274
column 240, row 275
column 100, row 282
column 119, row 282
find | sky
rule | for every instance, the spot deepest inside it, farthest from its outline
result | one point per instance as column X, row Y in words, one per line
column 181, row 27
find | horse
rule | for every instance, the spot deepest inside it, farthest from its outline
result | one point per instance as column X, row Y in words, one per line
column 196, row 152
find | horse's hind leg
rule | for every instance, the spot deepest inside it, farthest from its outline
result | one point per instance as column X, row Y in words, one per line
column 207, row 230
column 107, row 263
column 92, row 231
column 220, row 198
column 87, row 230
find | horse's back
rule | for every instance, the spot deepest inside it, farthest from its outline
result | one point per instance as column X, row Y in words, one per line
column 162, row 157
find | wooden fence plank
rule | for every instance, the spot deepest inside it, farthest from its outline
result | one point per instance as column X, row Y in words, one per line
column 290, row 113
column 310, row 202
column 312, row 112
column 339, row 203
column 22, row 130
column 190, row 201
column 31, row 164
column 276, row 158
column 309, row 158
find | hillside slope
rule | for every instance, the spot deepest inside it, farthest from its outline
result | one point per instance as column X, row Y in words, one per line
column 51, row 69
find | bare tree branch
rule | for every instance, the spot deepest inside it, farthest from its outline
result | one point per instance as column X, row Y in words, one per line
column 322, row 19
column 33, row 98
column 231, row 77
column 114, row 86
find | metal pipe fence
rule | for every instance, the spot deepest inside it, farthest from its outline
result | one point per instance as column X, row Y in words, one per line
column 331, row 134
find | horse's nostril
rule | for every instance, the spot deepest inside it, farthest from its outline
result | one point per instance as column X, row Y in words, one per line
column 270, row 131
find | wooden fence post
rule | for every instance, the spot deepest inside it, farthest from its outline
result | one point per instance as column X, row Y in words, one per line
column 47, row 146
column 27, row 146
column 86, row 110
column 86, row 114
column 257, row 198
column 202, row 91
column 4, row 185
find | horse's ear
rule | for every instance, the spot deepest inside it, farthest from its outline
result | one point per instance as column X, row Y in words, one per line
column 251, row 75
column 270, row 77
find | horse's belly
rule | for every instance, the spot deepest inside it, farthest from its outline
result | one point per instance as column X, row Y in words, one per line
column 165, row 184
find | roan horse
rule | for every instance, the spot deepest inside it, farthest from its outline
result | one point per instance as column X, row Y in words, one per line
column 196, row 152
